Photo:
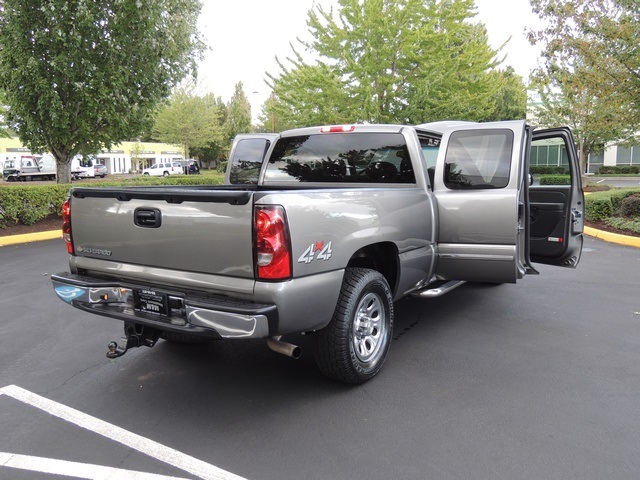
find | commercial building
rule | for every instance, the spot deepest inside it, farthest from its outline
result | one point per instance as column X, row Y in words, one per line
column 126, row 157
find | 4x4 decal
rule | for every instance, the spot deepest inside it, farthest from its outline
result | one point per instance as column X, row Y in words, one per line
column 316, row 251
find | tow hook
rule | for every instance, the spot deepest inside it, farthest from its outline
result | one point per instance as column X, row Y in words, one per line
column 135, row 336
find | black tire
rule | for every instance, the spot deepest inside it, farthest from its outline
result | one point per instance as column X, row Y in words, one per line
column 165, row 174
column 173, row 337
column 354, row 345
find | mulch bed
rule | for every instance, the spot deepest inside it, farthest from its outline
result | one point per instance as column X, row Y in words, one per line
column 52, row 222
column 602, row 225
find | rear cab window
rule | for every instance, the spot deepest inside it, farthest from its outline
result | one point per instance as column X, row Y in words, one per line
column 341, row 158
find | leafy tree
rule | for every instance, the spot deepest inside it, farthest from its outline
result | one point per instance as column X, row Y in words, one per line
column 400, row 61
column 511, row 97
column 238, row 114
column 81, row 75
column 189, row 120
column 306, row 95
column 590, row 78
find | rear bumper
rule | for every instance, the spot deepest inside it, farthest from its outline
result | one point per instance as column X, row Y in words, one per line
column 187, row 312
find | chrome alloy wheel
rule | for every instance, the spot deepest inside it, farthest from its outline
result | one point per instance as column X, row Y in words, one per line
column 369, row 328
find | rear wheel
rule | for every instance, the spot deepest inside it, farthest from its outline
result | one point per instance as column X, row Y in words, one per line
column 166, row 174
column 353, row 347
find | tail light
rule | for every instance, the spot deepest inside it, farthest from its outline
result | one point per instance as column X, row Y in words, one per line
column 66, row 226
column 272, row 245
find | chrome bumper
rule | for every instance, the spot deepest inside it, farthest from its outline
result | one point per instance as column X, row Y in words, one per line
column 187, row 312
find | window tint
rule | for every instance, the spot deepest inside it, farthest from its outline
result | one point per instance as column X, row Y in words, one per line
column 341, row 157
column 478, row 159
column 247, row 160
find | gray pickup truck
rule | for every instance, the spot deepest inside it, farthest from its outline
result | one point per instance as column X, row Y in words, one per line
column 318, row 231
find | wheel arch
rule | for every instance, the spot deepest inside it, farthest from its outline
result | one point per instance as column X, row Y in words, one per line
column 382, row 257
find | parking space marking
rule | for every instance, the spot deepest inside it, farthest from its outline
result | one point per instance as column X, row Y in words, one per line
column 144, row 445
column 73, row 469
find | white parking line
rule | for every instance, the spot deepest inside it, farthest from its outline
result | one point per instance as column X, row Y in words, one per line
column 144, row 445
column 73, row 469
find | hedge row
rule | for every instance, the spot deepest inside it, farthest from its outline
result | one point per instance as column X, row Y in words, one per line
column 602, row 205
column 555, row 180
column 30, row 203
column 621, row 169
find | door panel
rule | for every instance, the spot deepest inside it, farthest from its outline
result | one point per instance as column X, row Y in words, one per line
column 479, row 174
column 556, row 211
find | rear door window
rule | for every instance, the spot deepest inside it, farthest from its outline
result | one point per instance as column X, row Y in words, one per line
column 478, row 159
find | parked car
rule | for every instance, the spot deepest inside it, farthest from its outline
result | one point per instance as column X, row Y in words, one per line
column 193, row 167
column 166, row 169
column 101, row 170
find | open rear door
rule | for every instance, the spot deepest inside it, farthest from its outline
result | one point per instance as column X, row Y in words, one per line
column 480, row 185
column 493, row 221
column 556, row 200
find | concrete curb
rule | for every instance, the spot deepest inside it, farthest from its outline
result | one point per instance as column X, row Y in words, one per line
column 613, row 237
column 30, row 237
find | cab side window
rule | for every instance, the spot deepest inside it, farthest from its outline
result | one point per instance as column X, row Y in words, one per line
column 247, row 160
column 478, row 159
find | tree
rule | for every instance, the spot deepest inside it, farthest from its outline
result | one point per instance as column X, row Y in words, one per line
column 189, row 120
column 400, row 61
column 590, row 78
column 82, row 75
column 511, row 97
column 238, row 114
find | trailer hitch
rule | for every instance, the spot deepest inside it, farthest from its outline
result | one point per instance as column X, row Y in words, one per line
column 134, row 336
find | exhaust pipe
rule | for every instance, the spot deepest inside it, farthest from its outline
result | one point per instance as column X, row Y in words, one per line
column 285, row 348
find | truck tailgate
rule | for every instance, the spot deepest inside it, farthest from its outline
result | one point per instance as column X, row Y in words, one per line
column 207, row 230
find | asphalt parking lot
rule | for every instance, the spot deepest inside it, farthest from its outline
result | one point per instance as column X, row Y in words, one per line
column 534, row 380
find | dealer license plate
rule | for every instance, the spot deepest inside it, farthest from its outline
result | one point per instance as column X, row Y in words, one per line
column 150, row 301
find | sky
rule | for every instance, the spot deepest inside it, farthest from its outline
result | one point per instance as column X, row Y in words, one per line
column 246, row 36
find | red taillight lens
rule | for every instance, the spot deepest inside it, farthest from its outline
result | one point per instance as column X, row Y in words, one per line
column 66, row 226
column 273, row 250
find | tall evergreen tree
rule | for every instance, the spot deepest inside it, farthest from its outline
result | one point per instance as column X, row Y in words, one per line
column 238, row 114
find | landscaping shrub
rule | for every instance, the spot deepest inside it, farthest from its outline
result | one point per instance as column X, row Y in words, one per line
column 630, row 206
column 597, row 207
column 620, row 169
column 618, row 196
column 30, row 204
column 602, row 205
column 555, row 180
column 632, row 225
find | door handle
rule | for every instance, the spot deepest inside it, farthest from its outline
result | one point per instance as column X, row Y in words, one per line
column 147, row 217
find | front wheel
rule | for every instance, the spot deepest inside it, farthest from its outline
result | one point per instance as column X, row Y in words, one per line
column 354, row 345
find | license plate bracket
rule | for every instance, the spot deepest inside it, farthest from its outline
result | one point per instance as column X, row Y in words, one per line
column 151, row 301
